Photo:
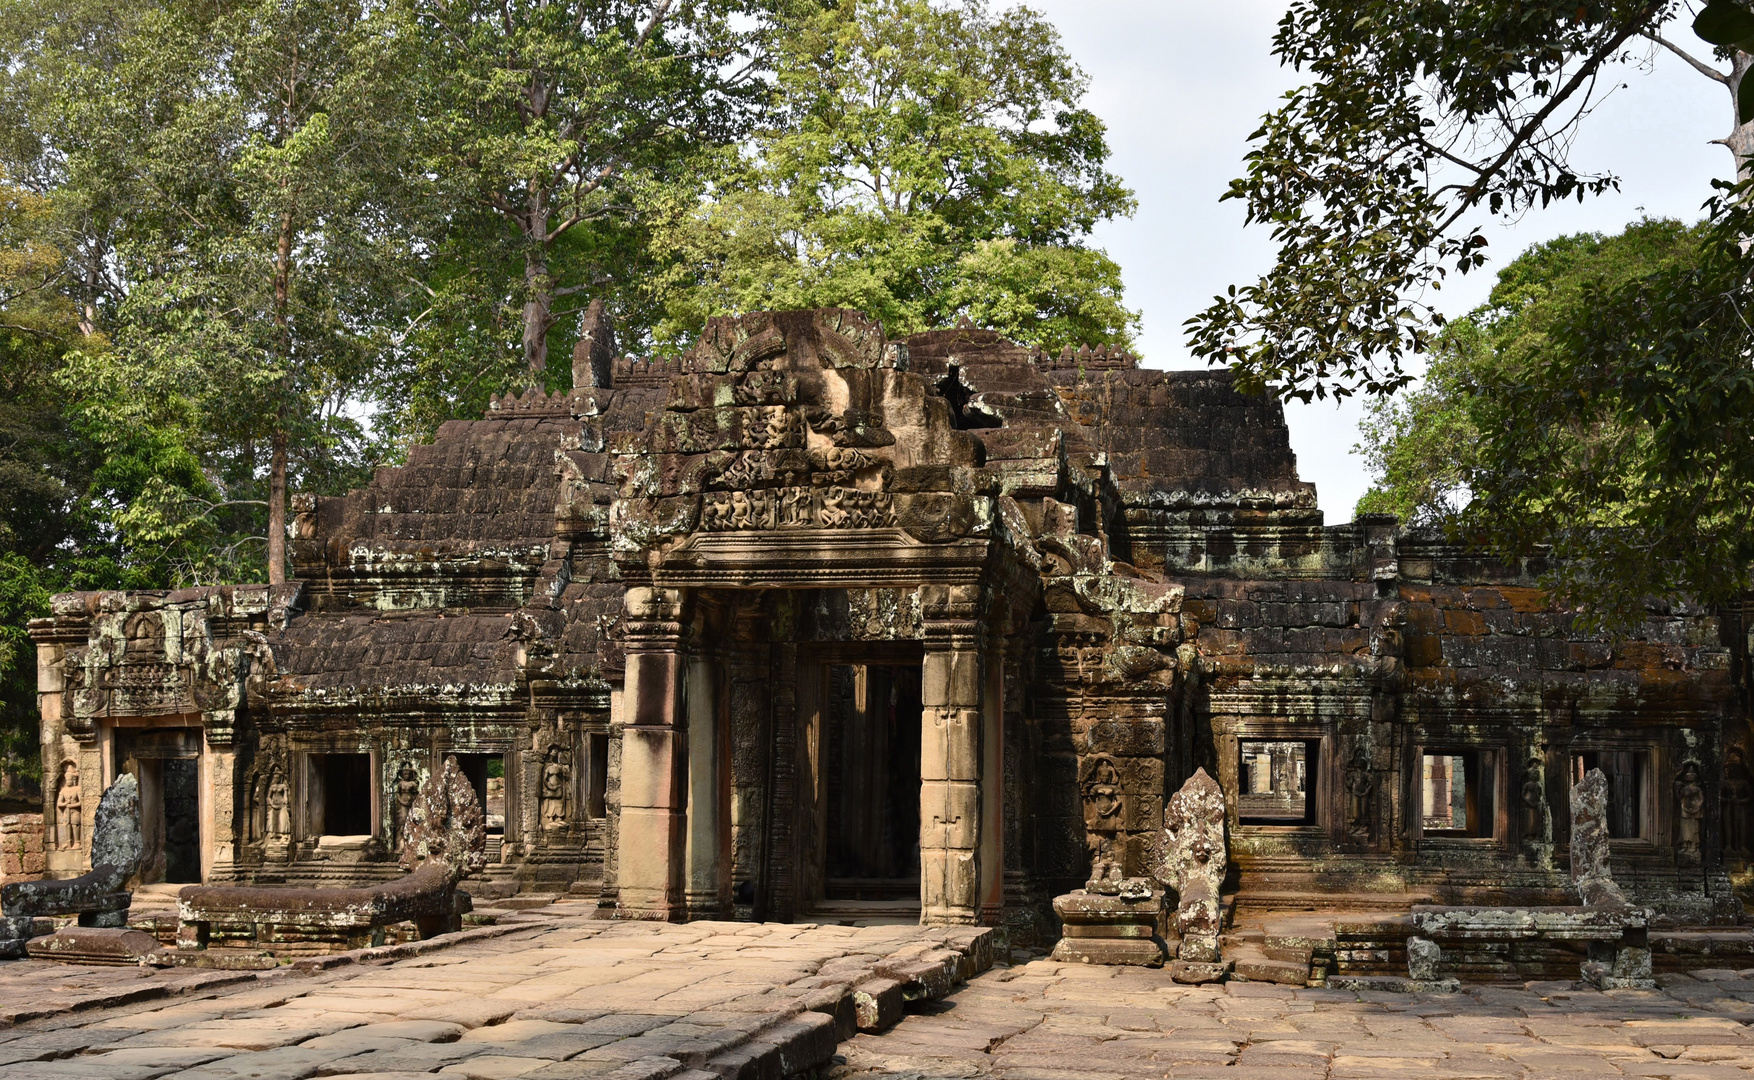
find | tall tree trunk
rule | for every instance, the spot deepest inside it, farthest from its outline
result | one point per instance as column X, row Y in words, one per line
column 277, row 460
column 1741, row 137
column 277, row 511
column 538, row 287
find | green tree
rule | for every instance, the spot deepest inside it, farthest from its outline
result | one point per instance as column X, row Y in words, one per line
column 1596, row 407
column 1621, row 445
column 1628, row 446
column 1418, row 122
column 1425, row 445
column 921, row 162
column 235, row 174
column 548, row 127
column 53, row 532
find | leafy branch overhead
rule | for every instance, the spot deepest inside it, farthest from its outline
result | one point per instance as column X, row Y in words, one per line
column 1419, row 121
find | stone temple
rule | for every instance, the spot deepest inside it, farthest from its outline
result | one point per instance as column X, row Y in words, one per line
column 810, row 623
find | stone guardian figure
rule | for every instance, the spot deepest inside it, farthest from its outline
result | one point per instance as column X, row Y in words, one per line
column 279, row 812
column 69, row 810
column 1691, row 794
column 1193, row 863
column 1360, row 787
column 556, row 784
column 406, row 791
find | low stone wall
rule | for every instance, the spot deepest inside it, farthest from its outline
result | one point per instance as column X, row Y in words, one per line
column 21, row 848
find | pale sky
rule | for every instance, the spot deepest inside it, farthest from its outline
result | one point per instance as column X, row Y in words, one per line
column 1182, row 84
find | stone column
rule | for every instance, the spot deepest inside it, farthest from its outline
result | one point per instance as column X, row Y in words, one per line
column 952, row 689
column 708, row 889
column 654, row 759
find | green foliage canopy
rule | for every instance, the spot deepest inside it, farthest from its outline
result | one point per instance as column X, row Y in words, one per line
column 1417, row 117
column 1596, row 406
column 921, row 162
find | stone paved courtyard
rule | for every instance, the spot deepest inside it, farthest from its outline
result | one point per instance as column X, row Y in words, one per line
column 554, row 994
column 1054, row 1021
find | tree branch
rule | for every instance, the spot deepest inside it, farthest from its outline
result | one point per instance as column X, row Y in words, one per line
column 1698, row 65
column 1586, row 73
column 658, row 16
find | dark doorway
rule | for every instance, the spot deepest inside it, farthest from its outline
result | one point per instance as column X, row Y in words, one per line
column 872, row 746
column 182, row 821
column 347, row 788
column 166, row 762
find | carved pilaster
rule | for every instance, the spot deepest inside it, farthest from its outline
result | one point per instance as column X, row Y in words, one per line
column 952, row 691
column 654, row 755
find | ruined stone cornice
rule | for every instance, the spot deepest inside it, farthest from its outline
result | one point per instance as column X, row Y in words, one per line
column 59, row 630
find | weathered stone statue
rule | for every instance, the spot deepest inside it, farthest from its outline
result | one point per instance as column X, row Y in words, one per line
column 1589, row 843
column 1103, row 805
column 1691, row 794
column 446, row 825
column 69, row 810
column 407, row 790
column 556, row 784
column 116, row 850
column 1193, row 861
column 1105, row 869
column 279, row 814
column 1533, row 799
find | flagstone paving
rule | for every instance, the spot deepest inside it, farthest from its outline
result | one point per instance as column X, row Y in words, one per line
column 1054, row 1021
column 558, row 995
column 553, row 996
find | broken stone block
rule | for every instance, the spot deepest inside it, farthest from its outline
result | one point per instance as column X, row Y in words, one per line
column 446, row 841
column 1423, row 956
column 94, row 945
column 1193, row 972
column 877, row 1004
column 1257, row 967
column 1102, row 929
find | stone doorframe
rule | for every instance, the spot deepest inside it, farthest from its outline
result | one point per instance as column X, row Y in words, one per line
column 673, row 848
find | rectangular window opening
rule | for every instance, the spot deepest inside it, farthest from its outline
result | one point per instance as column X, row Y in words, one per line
column 1456, row 793
column 346, row 789
column 1276, row 781
column 1628, row 785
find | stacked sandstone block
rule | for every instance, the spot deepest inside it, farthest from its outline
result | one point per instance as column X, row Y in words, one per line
column 21, row 848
